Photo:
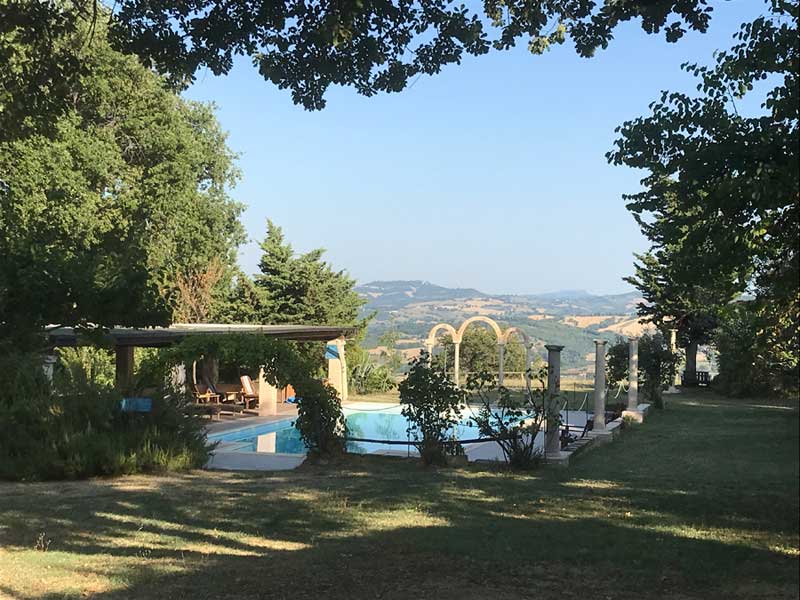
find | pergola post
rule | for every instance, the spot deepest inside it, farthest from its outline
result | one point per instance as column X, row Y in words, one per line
column 337, row 368
column 633, row 374
column 599, row 385
column 123, row 367
column 501, row 357
column 456, row 361
column 552, row 443
column 267, row 396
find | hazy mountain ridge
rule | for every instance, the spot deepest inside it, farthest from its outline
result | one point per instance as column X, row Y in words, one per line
column 573, row 318
column 400, row 294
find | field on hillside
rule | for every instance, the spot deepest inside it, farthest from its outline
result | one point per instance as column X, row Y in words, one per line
column 572, row 319
column 700, row 502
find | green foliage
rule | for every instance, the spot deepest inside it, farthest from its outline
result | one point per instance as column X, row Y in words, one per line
column 320, row 420
column 302, row 288
column 373, row 47
column 85, row 366
column 367, row 377
column 479, row 352
column 720, row 198
column 513, row 419
column 104, row 209
column 656, row 365
column 76, row 429
column 283, row 362
column 745, row 367
column 432, row 404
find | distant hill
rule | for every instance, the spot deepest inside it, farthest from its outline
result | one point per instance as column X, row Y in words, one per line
column 397, row 294
column 569, row 317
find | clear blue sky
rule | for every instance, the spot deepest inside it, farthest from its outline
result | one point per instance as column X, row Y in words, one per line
column 490, row 175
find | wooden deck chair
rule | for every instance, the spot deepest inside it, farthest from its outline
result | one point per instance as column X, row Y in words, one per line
column 203, row 395
column 248, row 392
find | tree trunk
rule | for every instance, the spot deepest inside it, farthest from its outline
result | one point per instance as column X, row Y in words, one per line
column 690, row 374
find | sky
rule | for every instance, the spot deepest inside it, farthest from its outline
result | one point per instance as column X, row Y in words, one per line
column 490, row 175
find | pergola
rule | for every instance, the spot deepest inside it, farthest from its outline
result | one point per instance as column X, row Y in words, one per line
column 125, row 339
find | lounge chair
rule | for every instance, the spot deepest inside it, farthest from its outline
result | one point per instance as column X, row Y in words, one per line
column 248, row 392
column 203, row 395
column 226, row 397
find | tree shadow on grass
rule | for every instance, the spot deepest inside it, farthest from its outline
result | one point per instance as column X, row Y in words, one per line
column 459, row 534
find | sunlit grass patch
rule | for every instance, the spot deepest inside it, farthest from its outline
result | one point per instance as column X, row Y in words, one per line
column 679, row 508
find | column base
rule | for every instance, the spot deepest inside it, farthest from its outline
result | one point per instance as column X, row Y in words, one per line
column 633, row 415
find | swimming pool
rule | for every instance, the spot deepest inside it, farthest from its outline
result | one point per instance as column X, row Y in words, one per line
column 280, row 437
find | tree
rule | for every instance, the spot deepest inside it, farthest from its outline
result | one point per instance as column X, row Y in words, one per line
column 432, row 404
column 103, row 216
column 306, row 47
column 303, row 288
column 656, row 365
column 720, row 198
column 673, row 298
column 478, row 352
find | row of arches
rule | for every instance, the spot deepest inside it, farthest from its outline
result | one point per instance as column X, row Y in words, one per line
column 502, row 339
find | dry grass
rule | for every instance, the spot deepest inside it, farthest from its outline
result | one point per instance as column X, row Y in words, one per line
column 701, row 502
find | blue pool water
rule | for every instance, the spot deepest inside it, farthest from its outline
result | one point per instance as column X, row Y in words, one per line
column 383, row 424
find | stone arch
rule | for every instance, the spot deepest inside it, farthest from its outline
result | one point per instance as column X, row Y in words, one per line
column 527, row 344
column 526, row 340
column 480, row 318
column 431, row 341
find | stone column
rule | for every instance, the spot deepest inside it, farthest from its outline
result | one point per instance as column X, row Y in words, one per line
column 599, row 385
column 124, row 367
column 429, row 350
column 552, row 445
column 501, row 357
column 633, row 373
column 456, row 361
column 673, row 347
column 337, row 369
column 527, row 373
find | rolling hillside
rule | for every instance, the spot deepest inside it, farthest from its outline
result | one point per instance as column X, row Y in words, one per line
column 572, row 318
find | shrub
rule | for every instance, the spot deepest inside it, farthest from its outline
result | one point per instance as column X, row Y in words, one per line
column 320, row 420
column 75, row 428
column 514, row 420
column 748, row 363
column 432, row 404
column 368, row 378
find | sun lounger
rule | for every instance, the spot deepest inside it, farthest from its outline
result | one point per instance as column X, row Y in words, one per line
column 248, row 393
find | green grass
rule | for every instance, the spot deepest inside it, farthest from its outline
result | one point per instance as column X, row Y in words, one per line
column 700, row 502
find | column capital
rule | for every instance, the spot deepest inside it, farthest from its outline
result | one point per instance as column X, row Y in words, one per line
column 600, row 342
column 554, row 347
column 633, row 338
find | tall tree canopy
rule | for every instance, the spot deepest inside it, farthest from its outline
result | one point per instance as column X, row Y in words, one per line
column 302, row 288
column 720, row 199
column 374, row 46
column 104, row 213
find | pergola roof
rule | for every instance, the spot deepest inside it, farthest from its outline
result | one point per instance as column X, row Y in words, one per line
column 158, row 337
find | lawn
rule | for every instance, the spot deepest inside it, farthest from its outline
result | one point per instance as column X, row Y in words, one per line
column 700, row 502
